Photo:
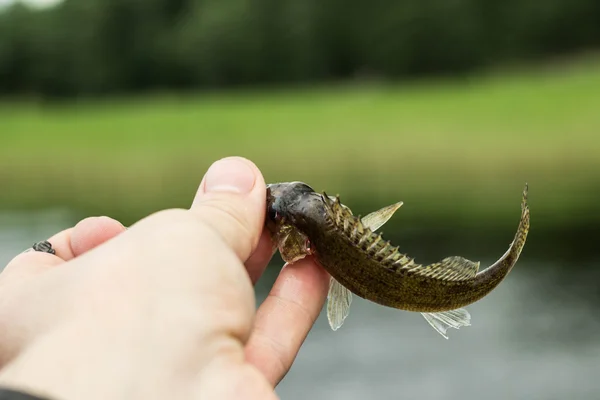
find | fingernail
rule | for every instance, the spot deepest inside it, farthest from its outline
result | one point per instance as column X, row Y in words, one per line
column 229, row 175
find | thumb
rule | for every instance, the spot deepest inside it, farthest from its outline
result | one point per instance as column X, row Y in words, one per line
column 231, row 200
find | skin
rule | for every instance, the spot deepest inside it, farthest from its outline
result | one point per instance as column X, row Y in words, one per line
column 164, row 309
column 372, row 268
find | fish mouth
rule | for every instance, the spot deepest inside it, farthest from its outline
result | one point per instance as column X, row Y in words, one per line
column 279, row 198
column 270, row 204
column 271, row 212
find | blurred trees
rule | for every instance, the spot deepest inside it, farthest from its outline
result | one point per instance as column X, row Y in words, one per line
column 94, row 47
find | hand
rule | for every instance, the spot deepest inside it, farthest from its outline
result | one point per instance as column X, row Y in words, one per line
column 165, row 309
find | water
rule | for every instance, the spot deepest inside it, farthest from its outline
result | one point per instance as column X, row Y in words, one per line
column 518, row 347
column 536, row 337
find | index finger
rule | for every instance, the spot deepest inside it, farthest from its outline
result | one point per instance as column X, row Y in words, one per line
column 286, row 316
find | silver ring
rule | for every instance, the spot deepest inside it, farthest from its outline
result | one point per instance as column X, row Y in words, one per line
column 44, row 247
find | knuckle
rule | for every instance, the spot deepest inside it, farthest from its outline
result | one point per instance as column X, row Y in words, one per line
column 272, row 356
column 177, row 230
column 226, row 219
column 177, row 221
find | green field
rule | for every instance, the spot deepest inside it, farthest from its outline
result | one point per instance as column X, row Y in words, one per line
column 455, row 149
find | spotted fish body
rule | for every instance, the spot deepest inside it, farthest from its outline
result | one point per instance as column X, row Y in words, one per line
column 361, row 262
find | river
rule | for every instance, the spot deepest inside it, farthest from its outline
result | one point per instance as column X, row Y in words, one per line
column 536, row 337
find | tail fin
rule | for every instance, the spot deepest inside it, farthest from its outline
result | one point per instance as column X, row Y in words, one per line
column 489, row 278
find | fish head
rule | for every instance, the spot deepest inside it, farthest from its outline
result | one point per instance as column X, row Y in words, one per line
column 282, row 200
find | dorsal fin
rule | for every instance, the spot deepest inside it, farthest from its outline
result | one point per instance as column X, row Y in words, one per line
column 340, row 212
column 362, row 236
column 453, row 268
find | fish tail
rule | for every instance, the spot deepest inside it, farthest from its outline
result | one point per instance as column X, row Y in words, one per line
column 489, row 278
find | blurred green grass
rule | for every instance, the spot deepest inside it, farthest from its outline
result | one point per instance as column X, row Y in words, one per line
column 459, row 149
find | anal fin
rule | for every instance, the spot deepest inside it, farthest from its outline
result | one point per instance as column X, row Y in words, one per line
column 338, row 304
column 441, row 321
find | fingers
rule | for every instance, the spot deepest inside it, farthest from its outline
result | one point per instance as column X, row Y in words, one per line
column 197, row 254
column 30, row 263
column 241, row 381
column 61, row 243
column 232, row 200
column 67, row 244
column 92, row 232
column 87, row 234
column 34, row 261
column 258, row 261
column 284, row 319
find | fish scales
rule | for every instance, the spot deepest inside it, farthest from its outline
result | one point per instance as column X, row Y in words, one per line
column 369, row 266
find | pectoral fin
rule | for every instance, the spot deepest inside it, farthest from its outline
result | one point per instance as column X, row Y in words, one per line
column 377, row 219
column 292, row 244
column 338, row 304
column 441, row 321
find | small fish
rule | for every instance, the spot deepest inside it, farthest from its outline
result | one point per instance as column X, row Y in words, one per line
column 303, row 222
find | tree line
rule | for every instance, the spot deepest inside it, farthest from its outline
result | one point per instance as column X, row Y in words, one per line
column 97, row 47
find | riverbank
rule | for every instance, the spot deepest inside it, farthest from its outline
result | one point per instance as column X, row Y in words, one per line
column 453, row 151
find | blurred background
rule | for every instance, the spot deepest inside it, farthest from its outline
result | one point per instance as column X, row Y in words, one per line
column 117, row 107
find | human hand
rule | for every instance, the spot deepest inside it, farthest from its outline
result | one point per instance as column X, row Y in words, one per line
column 162, row 310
